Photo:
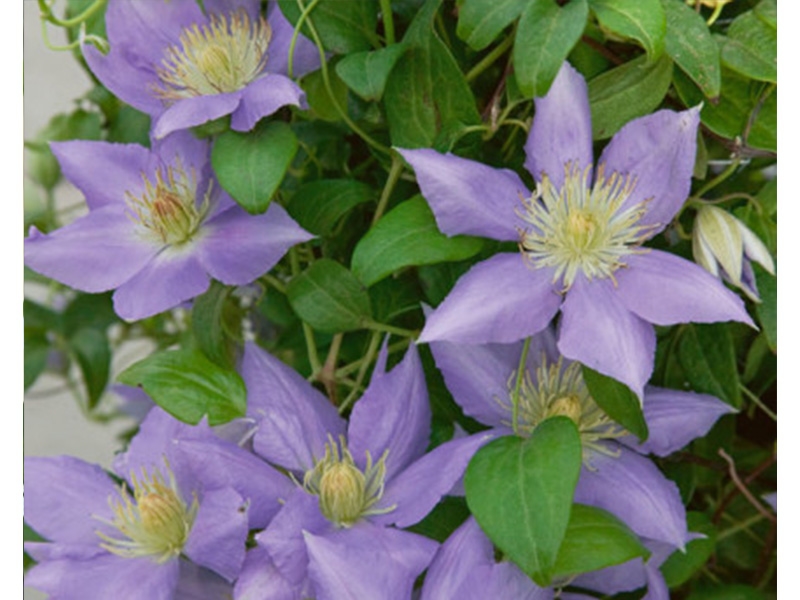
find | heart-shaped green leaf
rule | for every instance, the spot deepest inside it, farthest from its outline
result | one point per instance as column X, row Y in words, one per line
column 520, row 491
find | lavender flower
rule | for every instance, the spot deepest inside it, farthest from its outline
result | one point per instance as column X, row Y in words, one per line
column 615, row 475
column 184, row 67
column 334, row 536
column 159, row 227
column 580, row 235
column 188, row 496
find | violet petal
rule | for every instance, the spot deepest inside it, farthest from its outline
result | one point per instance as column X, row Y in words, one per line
column 497, row 300
column 659, row 151
column 261, row 241
column 294, row 419
column 189, row 112
column 665, row 289
column 597, row 330
column 468, row 197
column 630, row 487
column 562, row 128
column 263, row 97
column 393, row 414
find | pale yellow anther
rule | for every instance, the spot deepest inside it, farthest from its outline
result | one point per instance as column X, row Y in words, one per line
column 223, row 56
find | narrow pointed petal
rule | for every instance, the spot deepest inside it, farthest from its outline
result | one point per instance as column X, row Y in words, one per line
column 468, row 197
column 665, row 289
column 659, row 151
column 477, row 376
column 562, row 128
column 263, row 97
column 95, row 253
column 597, row 330
column 628, row 576
column 283, row 539
column 260, row 579
column 675, row 418
column 306, row 56
column 393, row 414
column 466, row 549
column 367, row 562
column 502, row 580
column 189, row 112
column 630, row 487
column 104, row 577
column 261, row 241
column 174, row 276
column 103, row 172
column 61, row 495
column 497, row 300
column 295, row 420
column 225, row 7
column 415, row 491
column 183, row 149
column 218, row 535
column 127, row 81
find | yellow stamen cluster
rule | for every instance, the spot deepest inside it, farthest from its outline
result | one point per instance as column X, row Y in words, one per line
column 167, row 209
column 155, row 523
column 577, row 229
column 346, row 494
column 223, row 56
column 560, row 391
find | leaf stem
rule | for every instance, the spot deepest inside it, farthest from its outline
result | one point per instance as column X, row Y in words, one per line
column 719, row 178
column 488, row 60
column 394, row 175
column 356, row 364
column 308, row 333
column 383, row 327
column 388, row 21
column 372, row 350
column 523, row 358
column 757, row 401
column 329, row 88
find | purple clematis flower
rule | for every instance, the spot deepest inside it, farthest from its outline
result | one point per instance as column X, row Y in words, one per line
column 159, row 227
column 188, row 496
column 184, row 67
column 580, row 235
column 335, row 537
column 616, row 475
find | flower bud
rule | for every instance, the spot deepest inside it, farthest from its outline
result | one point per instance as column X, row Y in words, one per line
column 724, row 247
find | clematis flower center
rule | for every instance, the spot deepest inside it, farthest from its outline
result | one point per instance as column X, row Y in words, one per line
column 577, row 229
column 560, row 391
column 155, row 523
column 167, row 209
column 346, row 493
column 223, row 56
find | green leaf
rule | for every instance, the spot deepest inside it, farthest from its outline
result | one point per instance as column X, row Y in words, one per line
column 481, row 21
column 93, row 354
column 208, row 325
column 407, row 236
column 329, row 298
column 690, row 44
column 767, row 11
column 319, row 205
column 250, row 166
column 626, row 92
column 728, row 592
column 426, row 93
column 36, row 352
column 595, row 539
column 738, row 100
column 767, row 309
column 680, row 566
column 189, row 386
column 708, row 359
column 768, row 197
column 640, row 20
column 532, row 480
column 617, row 401
column 366, row 72
column 322, row 105
column 545, row 35
column 89, row 310
column 343, row 27
column 751, row 48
